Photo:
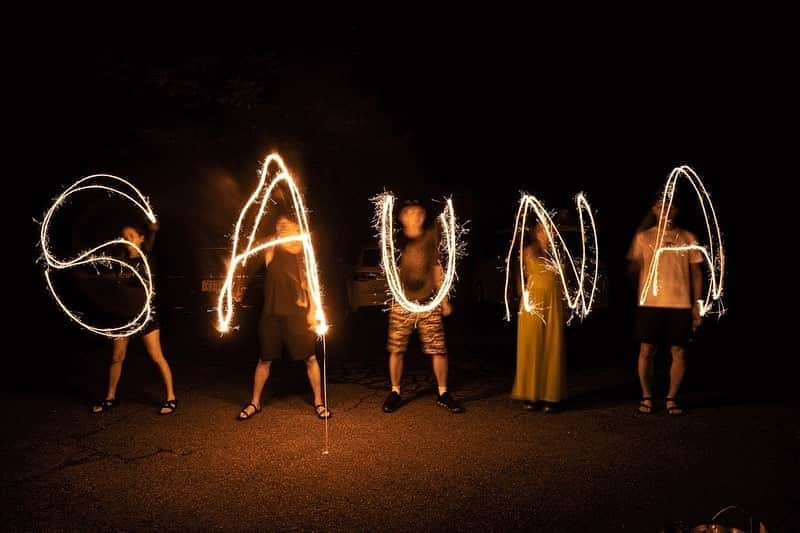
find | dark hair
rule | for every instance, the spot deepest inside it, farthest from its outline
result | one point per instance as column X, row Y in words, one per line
column 650, row 219
column 408, row 204
column 532, row 241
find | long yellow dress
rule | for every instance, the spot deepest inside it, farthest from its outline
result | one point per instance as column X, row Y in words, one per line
column 541, row 359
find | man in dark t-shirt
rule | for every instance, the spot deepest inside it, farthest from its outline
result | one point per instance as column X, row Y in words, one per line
column 421, row 275
column 287, row 319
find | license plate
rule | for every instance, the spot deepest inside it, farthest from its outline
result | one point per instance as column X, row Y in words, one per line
column 211, row 285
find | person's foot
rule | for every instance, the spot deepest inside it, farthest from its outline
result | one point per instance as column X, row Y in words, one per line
column 101, row 407
column 249, row 411
column 530, row 406
column 552, row 408
column 447, row 401
column 322, row 411
column 673, row 407
column 392, row 402
column 168, row 407
column 646, row 405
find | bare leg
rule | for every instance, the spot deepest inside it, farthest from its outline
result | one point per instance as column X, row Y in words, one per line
column 676, row 372
column 259, row 380
column 115, row 369
column 396, row 368
column 312, row 369
column 646, row 356
column 440, row 370
column 152, row 343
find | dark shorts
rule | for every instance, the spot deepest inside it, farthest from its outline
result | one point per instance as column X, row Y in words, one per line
column 150, row 327
column 664, row 326
column 431, row 330
column 291, row 332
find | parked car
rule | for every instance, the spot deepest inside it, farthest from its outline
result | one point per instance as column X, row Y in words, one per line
column 366, row 286
column 192, row 292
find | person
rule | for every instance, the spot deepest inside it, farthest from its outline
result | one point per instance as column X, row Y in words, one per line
column 673, row 314
column 541, row 375
column 287, row 320
column 131, row 290
column 421, row 275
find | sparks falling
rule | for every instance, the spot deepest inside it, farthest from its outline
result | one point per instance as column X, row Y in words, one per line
column 580, row 298
column 96, row 255
column 261, row 196
column 714, row 253
column 385, row 209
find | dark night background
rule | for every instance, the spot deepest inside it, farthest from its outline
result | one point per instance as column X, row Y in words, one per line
column 479, row 120
column 477, row 111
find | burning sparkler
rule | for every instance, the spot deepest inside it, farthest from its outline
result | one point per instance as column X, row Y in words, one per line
column 261, row 196
column 385, row 208
column 96, row 255
column 714, row 254
column 580, row 298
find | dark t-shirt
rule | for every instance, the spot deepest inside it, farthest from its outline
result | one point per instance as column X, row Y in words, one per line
column 417, row 261
column 282, row 284
column 129, row 291
column 113, row 290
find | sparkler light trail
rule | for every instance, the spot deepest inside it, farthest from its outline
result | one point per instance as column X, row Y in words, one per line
column 261, row 196
column 714, row 254
column 96, row 255
column 384, row 204
column 581, row 296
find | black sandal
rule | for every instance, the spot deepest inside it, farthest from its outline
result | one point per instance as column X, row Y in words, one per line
column 244, row 415
column 530, row 406
column 321, row 413
column 103, row 406
column 168, row 404
column 643, row 405
column 676, row 409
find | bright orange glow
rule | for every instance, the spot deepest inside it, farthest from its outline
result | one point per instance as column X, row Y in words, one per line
column 261, row 196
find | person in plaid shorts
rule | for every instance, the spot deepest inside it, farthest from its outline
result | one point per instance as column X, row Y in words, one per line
column 421, row 274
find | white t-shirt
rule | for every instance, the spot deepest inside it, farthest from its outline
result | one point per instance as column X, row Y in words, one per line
column 674, row 277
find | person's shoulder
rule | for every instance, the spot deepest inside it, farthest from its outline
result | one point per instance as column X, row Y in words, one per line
column 648, row 234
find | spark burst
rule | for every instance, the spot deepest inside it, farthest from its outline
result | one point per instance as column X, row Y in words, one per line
column 264, row 192
column 714, row 254
column 580, row 299
column 384, row 204
column 96, row 256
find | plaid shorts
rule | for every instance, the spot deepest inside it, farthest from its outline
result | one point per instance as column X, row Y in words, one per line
column 429, row 324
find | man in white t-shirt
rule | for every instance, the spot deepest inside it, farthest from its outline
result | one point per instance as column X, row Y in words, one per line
column 668, row 310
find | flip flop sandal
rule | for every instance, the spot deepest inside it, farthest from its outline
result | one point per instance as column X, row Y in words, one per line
column 644, row 408
column 168, row 404
column 103, row 406
column 320, row 410
column 244, row 415
column 674, row 410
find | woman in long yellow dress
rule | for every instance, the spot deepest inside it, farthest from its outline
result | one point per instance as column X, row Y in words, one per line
column 541, row 360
